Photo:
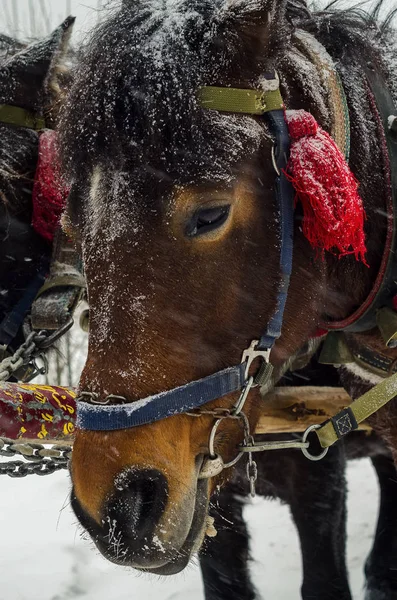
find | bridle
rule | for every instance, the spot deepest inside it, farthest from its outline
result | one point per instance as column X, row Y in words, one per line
column 96, row 414
column 103, row 415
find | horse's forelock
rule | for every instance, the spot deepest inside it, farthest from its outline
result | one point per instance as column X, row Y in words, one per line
column 134, row 98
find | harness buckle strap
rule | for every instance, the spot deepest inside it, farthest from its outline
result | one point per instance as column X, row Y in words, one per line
column 344, row 422
column 251, row 354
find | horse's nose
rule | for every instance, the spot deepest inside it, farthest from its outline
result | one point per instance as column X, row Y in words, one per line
column 135, row 508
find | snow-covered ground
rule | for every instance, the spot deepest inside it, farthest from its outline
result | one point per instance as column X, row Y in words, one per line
column 43, row 555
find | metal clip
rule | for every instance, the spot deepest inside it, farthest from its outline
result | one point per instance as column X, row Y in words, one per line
column 243, row 397
column 251, row 354
column 270, row 85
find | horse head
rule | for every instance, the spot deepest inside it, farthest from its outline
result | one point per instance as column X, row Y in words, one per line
column 174, row 209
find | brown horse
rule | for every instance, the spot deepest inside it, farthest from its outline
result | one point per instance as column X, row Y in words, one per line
column 175, row 211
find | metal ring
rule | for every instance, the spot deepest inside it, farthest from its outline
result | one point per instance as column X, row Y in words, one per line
column 305, row 451
column 211, row 442
column 234, row 461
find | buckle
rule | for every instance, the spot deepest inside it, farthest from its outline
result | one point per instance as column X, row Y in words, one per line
column 251, row 354
column 270, row 85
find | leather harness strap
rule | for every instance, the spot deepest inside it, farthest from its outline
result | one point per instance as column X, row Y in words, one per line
column 385, row 286
column 350, row 418
column 21, row 117
column 381, row 297
column 330, row 79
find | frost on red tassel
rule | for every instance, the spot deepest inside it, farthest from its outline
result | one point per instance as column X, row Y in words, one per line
column 332, row 207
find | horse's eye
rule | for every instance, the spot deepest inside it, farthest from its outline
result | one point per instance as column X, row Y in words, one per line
column 207, row 219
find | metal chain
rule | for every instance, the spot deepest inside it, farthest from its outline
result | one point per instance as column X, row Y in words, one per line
column 251, row 468
column 249, row 446
column 25, row 353
column 19, row 469
column 38, row 459
column 33, row 347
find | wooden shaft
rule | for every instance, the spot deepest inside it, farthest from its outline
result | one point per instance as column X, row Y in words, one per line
column 48, row 413
column 294, row 409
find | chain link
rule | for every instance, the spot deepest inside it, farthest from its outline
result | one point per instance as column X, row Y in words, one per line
column 19, row 469
column 21, row 357
column 251, row 467
column 33, row 347
column 39, row 460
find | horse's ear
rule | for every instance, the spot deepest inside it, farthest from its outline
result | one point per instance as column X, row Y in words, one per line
column 249, row 27
column 28, row 78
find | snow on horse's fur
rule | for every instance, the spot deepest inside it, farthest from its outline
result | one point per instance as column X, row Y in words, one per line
column 144, row 161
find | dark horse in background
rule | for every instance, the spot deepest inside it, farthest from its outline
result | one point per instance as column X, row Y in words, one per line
column 173, row 207
column 30, row 78
column 314, row 492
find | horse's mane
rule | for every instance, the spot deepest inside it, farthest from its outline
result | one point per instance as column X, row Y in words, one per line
column 134, row 95
column 354, row 34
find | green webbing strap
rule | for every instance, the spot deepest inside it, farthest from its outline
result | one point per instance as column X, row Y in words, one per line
column 234, row 100
column 349, row 419
column 20, row 117
column 77, row 281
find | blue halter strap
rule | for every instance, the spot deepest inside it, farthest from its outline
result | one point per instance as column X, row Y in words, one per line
column 104, row 416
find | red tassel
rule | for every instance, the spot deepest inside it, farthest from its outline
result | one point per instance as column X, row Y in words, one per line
column 333, row 210
column 49, row 194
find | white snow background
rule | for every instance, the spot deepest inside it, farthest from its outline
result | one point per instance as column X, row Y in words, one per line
column 44, row 554
column 45, row 557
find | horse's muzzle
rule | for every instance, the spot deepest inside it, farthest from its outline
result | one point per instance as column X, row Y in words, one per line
column 128, row 532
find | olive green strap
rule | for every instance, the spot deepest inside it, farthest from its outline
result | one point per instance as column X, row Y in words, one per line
column 20, row 117
column 253, row 102
column 77, row 281
column 349, row 419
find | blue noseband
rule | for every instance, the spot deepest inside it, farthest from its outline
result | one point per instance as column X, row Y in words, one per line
column 104, row 416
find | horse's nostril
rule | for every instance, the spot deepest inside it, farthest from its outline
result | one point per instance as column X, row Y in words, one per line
column 136, row 506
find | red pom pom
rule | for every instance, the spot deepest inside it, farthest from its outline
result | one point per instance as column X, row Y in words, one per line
column 333, row 210
column 49, row 193
column 301, row 123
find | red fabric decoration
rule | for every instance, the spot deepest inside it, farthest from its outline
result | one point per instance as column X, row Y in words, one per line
column 333, row 210
column 49, row 193
column 320, row 332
